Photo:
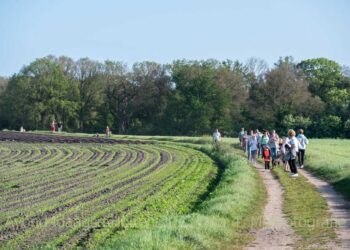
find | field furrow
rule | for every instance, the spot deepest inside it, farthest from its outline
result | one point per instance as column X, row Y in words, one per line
column 77, row 195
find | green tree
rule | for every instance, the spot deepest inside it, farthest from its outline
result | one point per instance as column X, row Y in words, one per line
column 330, row 126
column 39, row 93
column 323, row 74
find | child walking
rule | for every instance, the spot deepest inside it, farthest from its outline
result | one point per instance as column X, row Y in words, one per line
column 267, row 156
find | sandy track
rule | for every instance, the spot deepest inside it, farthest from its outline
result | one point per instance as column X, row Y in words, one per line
column 338, row 206
column 276, row 233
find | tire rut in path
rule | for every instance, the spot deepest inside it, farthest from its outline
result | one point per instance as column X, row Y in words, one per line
column 276, row 233
column 338, row 207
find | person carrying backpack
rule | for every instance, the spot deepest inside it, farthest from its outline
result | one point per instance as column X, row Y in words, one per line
column 216, row 136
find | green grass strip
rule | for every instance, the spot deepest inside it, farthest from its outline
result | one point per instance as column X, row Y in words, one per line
column 306, row 211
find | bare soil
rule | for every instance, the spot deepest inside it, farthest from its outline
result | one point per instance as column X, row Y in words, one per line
column 55, row 138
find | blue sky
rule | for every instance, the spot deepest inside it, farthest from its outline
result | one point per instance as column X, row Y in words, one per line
column 161, row 31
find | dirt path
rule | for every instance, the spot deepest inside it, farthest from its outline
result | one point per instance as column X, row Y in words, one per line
column 276, row 234
column 338, row 206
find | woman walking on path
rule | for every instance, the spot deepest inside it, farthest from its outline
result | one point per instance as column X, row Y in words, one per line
column 253, row 145
column 292, row 152
column 267, row 156
column 264, row 140
column 303, row 141
column 244, row 141
column 273, row 144
column 258, row 139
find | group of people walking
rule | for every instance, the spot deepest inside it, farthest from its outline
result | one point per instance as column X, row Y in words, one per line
column 274, row 149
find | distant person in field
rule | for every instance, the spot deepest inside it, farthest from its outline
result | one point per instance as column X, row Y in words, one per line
column 53, row 126
column 253, row 145
column 216, row 136
column 60, row 126
column 273, row 144
column 303, row 141
column 240, row 136
column 293, row 148
column 108, row 132
column 22, row 129
column 266, row 156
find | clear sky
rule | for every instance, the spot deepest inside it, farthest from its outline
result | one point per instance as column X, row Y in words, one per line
column 161, row 31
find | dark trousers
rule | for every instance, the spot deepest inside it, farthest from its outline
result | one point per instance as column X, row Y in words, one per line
column 293, row 166
column 267, row 165
column 301, row 154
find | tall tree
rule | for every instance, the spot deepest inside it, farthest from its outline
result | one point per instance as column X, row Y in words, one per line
column 39, row 93
column 88, row 74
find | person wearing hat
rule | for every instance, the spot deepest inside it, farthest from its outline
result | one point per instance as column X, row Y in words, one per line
column 293, row 148
column 216, row 136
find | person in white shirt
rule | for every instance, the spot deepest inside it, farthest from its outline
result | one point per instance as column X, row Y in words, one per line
column 303, row 141
column 216, row 136
column 293, row 145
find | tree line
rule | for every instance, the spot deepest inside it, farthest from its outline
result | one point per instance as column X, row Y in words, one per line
column 181, row 98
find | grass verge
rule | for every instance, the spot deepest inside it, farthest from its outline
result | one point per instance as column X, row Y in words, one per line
column 223, row 220
column 329, row 159
column 306, row 211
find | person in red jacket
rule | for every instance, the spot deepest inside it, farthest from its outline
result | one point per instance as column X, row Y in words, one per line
column 267, row 157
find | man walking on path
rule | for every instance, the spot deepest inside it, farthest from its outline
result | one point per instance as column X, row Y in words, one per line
column 293, row 149
column 240, row 136
column 253, row 146
column 303, row 141
column 273, row 144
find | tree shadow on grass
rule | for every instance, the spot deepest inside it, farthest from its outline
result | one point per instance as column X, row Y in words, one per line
column 343, row 186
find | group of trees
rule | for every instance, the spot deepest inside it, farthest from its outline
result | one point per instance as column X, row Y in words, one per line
column 182, row 98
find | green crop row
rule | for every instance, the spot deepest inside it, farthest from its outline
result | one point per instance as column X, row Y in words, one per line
column 185, row 173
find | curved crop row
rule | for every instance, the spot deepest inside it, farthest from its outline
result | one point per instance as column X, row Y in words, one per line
column 78, row 195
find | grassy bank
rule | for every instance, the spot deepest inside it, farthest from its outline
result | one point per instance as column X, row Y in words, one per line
column 222, row 220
